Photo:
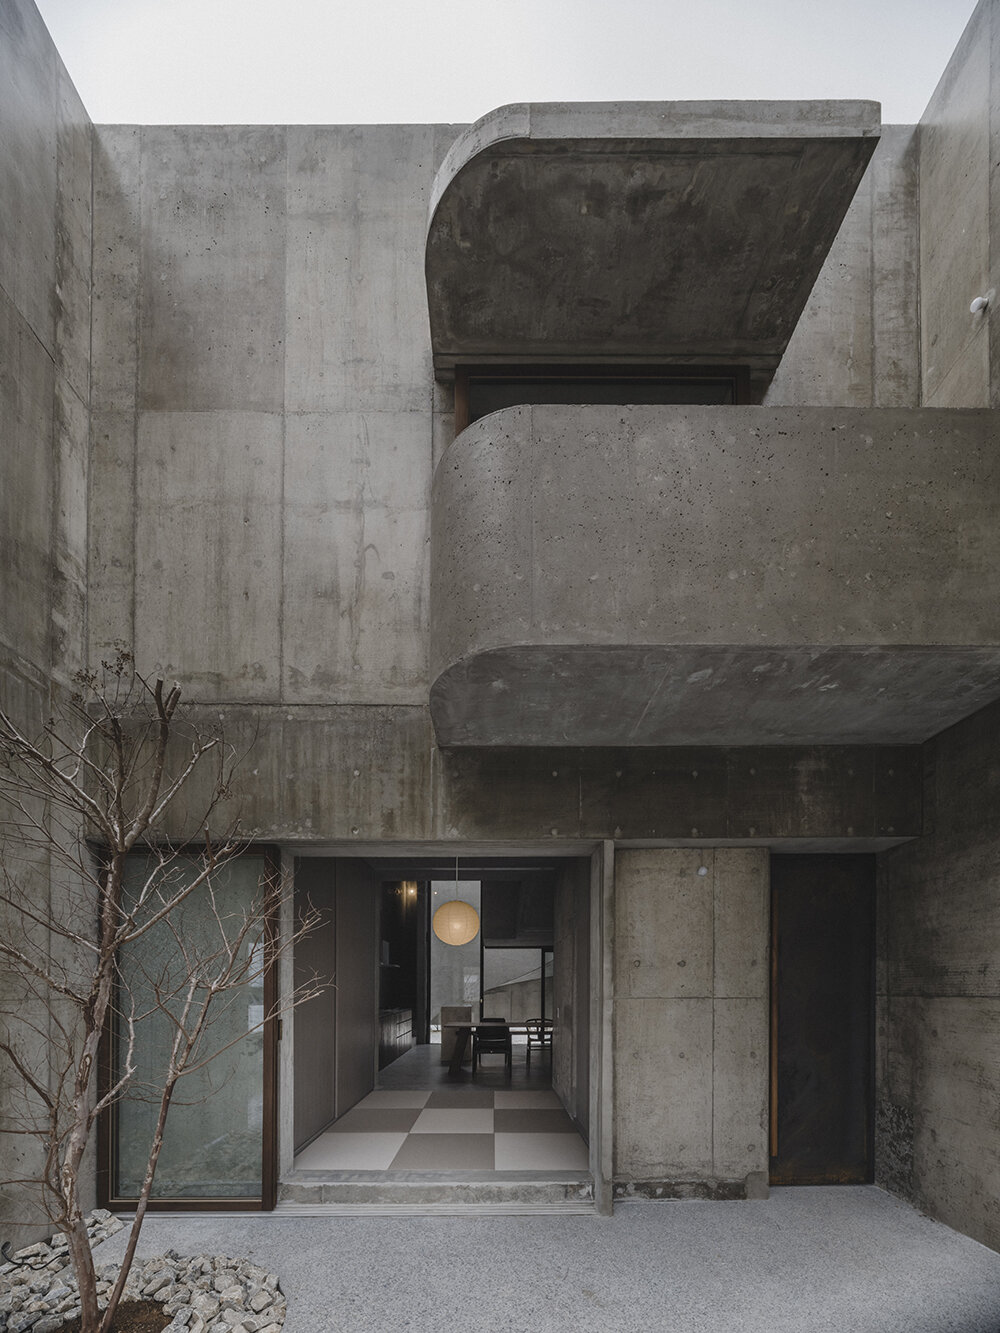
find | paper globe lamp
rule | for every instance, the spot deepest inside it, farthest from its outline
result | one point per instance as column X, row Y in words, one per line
column 456, row 922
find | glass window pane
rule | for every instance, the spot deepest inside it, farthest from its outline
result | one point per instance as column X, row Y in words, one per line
column 511, row 984
column 212, row 1145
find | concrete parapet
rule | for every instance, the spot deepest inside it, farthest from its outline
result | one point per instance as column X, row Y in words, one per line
column 714, row 576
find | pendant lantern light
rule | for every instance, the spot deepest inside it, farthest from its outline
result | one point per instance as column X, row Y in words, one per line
column 456, row 922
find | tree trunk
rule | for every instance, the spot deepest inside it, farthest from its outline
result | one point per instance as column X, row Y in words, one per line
column 86, row 1276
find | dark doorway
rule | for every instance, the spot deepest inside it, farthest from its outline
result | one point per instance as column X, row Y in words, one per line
column 822, row 1009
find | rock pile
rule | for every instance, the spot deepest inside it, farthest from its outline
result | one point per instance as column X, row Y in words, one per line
column 206, row 1294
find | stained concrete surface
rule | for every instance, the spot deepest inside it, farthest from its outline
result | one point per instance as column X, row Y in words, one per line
column 638, row 229
column 671, row 575
column 857, row 342
column 690, row 1015
column 938, row 989
column 852, row 1260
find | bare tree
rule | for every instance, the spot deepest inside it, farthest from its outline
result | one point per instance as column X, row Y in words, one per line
column 81, row 801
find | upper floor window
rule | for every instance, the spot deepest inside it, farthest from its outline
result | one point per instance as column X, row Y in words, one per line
column 481, row 390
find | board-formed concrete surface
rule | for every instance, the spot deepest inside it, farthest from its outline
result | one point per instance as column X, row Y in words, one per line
column 851, row 1260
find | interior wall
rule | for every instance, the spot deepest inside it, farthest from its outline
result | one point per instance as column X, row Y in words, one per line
column 938, row 1072
column 313, row 1022
column 357, row 981
column 691, row 1022
column 959, row 218
column 571, row 992
column 336, row 1032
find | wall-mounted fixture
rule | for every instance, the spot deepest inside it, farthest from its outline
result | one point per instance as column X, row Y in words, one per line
column 981, row 302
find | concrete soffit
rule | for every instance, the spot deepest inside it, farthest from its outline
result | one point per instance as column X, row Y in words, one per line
column 689, row 232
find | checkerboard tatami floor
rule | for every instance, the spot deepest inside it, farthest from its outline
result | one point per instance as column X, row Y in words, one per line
column 450, row 1129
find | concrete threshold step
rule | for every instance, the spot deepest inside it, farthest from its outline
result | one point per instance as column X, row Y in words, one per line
column 438, row 1192
column 433, row 1209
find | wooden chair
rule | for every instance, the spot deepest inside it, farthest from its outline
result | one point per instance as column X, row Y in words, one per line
column 492, row 1037
column 539, row 1036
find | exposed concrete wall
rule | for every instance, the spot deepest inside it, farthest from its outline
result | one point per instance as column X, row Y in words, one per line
column 362, row 774
column 939, row 991
column 959, row 217
column 263, row 448
column 857, row 343
column 691, row 1022
column 45, row 265
column 261, row 360
column 45, row 261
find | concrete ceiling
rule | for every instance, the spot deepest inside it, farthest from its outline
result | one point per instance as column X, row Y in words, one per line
column 631, row 232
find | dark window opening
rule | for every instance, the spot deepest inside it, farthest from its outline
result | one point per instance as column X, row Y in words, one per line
column 478, row 392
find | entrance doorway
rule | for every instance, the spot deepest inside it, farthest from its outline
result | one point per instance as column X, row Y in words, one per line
column 822, row 1019
column 378, row 1099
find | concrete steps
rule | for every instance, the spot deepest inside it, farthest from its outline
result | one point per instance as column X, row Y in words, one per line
column 456, row 1193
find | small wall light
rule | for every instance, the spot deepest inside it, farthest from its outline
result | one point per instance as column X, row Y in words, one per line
column 456, row 922
column 981, row 302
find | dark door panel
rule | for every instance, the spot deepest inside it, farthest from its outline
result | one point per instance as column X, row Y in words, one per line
column 822, row 940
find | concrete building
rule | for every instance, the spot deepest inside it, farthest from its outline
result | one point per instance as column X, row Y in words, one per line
column 607, row 494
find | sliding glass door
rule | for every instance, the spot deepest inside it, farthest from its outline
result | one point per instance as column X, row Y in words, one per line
column 219, row 1134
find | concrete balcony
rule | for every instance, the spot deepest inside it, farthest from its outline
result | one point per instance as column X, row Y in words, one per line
column 625, row 232
column 708, row 576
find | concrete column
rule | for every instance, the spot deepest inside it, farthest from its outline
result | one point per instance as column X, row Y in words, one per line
column 691, row 1022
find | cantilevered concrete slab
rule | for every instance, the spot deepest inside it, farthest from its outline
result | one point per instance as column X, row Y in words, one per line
column 638, row 232
column 714, row 576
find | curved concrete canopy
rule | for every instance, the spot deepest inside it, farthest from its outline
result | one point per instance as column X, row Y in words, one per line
column 714, row 576
column 644, row 231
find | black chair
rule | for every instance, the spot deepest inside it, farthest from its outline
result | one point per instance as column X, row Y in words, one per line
column 539, row 1036
column 492, row 1037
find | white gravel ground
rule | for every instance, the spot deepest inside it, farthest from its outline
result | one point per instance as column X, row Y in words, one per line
column 847, row 1260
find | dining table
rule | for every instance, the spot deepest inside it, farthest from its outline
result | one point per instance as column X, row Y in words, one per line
column 463, row 1031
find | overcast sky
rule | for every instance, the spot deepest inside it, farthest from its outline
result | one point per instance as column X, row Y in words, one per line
column 332, row 62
